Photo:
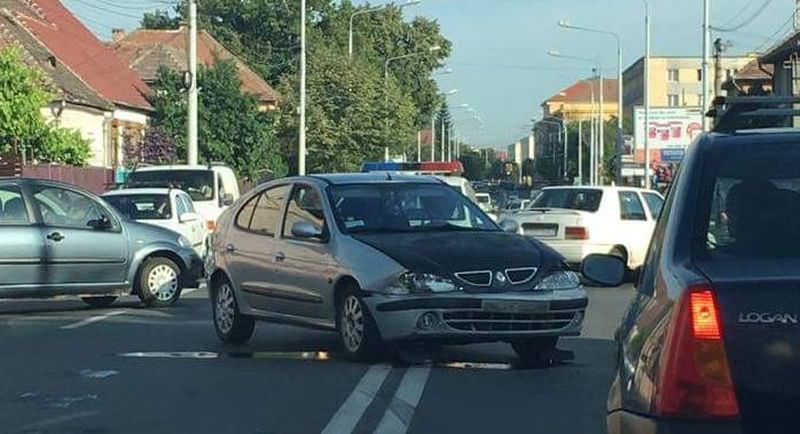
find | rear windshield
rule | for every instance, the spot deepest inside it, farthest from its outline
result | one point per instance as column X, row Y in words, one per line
column 142, row 206
column 754, row 197
column 198, row 183
column 582, row 199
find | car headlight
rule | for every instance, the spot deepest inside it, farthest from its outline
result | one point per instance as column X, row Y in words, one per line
column 184, row 242
column 558, row 281
column 421, row 283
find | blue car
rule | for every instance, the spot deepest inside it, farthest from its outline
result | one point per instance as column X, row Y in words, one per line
column 57, row 239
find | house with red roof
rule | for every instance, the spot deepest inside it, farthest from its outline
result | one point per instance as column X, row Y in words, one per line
column 147, row 50
column 96, row 93
column 575, row 101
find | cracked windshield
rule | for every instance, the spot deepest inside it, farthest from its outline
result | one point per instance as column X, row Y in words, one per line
column 407, row 216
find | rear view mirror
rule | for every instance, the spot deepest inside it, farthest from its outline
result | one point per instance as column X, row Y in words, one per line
column 509, row 225
column 226, row 199
column 188, row 217
column 305, row 230
column 101, row 223
column 604, row 270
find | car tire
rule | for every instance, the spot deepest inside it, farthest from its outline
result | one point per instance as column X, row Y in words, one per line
column 358, row 332
column 537, row 352
column 231, row 325
column 99, row 302
column 159, row 282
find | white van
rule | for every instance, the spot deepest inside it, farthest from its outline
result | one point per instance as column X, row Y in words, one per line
column 213, row 188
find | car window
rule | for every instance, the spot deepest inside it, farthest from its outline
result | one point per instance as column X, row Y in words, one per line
column 180, row 206
column 187, row 202
column 142, row 206
column 582, row 199
column 754, row 196
column 393, row 208
column 12, row 206
column 246, row 213
column 66, row 208
column 630, row 206
column 304, row 205
column 654, row 204
column 267, row 211
column 199, row 184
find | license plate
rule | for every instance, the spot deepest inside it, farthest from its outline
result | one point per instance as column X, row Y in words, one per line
column 541, row 232
column 510, row 306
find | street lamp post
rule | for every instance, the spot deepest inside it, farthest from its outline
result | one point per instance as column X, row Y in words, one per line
column 301, row 152
column 620, row 126
column 646, row 96
column 369, row 11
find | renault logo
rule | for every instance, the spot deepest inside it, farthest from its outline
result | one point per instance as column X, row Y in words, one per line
column 500, row 277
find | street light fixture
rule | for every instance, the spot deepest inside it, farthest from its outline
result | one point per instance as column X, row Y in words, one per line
column 616, row 36
column 433, row 124
column 597, row 155
column 369, row 11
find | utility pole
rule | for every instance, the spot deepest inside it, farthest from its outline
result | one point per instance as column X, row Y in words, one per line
column 419, row 146
column 646, row 81
column 592, row 138
column 580, row 151
column 706, row 59
column 719, row 50
column 192, row 103
column 601, row 132
column 433, row 137
column 797, row 15
column 301, row 152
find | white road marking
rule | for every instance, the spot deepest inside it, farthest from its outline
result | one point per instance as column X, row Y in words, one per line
column 189, row 291
column 348, row 415
column 91, row 320
column 398, row 416
column 172, row 355
column 56, row 420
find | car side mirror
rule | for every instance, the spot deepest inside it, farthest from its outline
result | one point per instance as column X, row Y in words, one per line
column 188, row 217
column 226, row 199
column 305, row 230
column 509, row 225
column 100, row 224
column 604, row 270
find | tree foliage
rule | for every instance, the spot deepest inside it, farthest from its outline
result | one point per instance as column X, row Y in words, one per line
column 232, row 129
column 160, row 20
column 23, row 94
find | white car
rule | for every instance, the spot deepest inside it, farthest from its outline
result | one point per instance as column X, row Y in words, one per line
column 213, row 188
column 578, row 221
column 165, row 207
column 484, row 201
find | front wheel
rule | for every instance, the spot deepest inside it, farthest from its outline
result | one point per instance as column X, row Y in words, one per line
column 357, row 329
column 231, row 325
column 159, row 283
column 99, row 302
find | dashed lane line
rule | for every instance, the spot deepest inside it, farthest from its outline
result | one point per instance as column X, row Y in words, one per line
column 91, row 320
column 350, row 413
column 401, row 410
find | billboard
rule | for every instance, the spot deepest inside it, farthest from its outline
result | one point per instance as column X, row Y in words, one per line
column 670, row 128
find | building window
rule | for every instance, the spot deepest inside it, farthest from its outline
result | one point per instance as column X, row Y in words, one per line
column 699, row 75
column 673, row 75
column 672, row 100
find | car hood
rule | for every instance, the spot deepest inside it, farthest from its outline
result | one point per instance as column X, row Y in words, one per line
column 445, row 253
column 144, row 233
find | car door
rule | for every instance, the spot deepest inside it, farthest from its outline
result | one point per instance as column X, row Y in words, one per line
column 21, row 244
column 636, row 228
column 192, row 226
column 82, row 256
column 304, row 266
column 250, row 248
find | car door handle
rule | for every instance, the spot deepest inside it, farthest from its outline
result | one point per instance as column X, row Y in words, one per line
column 230, row 248
column 55, row 236
column 280, row 257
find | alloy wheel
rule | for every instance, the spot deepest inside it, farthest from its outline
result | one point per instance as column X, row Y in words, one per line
column 352, row 323
column 225, row 309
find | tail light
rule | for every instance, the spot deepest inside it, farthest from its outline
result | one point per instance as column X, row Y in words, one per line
column 211, row 225
column 695, row 379
column 576, row 233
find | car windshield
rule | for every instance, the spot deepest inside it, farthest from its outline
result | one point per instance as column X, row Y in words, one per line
column 582, row 199
column 199, row 184
column 142, row 206
column 754, row 197
column 390, row 207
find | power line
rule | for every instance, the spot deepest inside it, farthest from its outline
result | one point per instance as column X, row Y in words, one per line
column 779, row 31
column 106, row 10
column 746, row 22
column 152, row 4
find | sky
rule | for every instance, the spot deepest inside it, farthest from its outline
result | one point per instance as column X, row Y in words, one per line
column 500, row 63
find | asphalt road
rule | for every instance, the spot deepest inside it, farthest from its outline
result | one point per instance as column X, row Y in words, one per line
column 65, row 368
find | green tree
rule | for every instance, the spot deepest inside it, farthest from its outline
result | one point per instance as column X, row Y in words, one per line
column 23, row 93
column 232, row 129
column 160, row 20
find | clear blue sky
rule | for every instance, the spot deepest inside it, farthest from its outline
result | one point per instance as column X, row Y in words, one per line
column 500, row 65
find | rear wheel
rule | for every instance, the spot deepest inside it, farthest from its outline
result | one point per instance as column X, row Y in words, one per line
column 159, row 283
column 231, row 325
column 99, row 302
column 538, row 352
column 357, row 329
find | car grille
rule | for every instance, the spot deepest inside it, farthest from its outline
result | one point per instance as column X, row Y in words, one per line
column 480, row 321
column 477, row 278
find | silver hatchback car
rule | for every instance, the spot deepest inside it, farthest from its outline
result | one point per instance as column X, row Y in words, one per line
column 390, row 258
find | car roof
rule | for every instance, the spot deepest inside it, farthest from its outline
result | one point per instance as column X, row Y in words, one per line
column 373, row 178
column 598, row 187
column 173, row 167
column 135, row 191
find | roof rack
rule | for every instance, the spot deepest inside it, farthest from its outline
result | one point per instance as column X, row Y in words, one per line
column 739, row 113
